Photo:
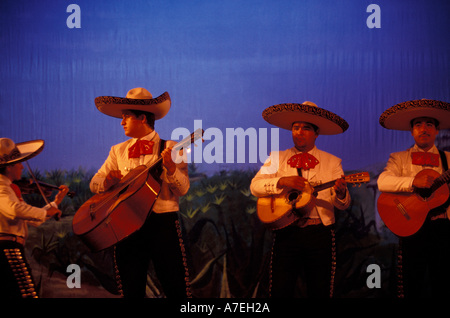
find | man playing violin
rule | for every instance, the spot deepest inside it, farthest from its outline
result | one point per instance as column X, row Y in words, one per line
column 424, row 256
column 15, row 216
column 305, row 244
column 159, row 240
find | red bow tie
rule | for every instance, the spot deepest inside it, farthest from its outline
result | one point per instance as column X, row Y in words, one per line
column 425, row 159
column 141, row 147
column 16, row 189
column 303, row 161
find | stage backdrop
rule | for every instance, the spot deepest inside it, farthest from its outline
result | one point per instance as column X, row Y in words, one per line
column 223, row 63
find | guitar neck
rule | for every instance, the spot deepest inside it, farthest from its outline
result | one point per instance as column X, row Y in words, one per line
column 324, row 186
column 438, row 182
column 182, row 144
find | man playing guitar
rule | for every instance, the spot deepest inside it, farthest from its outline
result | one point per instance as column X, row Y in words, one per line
column 307, row 243
column 159, row 239
column 408, row 175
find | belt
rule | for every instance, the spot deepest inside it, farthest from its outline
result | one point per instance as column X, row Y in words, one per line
column 12, row 238
column 303, row 222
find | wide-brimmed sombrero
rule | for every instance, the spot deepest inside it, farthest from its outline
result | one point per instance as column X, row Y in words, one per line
column 136, row 99
column 12, row 153
column 284, row 115
column 399, row 117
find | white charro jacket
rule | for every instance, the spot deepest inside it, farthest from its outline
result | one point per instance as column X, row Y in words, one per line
column 16, row 214
column 172, row 186
column 329, row 169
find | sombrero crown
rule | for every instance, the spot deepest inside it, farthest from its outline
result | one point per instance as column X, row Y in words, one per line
column 284, row 115
column 137, row 99
column 399, row 117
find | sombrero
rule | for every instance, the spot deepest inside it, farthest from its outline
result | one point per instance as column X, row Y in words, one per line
column 399, row 117
column 137, row 99
column 12, row 153
column 284, row 115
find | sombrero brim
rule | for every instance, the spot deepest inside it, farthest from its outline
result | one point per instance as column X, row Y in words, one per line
column 399, row 117
column 113, row 106
column 27, row 149
column 284, row 115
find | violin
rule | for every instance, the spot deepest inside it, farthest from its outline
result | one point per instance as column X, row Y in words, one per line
column 28, row 186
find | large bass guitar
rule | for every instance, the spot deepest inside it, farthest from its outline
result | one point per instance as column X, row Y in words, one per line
column 107, row 218
column 405, row 213
column 278, row 211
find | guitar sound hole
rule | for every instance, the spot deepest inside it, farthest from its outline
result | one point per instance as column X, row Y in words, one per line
column 293, row 196
column 425, row 193
column 123, row 190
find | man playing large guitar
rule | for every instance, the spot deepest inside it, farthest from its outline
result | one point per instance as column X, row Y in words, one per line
column 306, row 241
column 159, row 238
column 413, row 204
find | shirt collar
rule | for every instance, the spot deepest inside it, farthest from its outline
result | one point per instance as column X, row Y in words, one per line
column 150, row 136
column 312, row 151
column 432, row 149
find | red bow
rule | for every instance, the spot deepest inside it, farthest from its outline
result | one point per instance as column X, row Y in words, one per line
column 425, row 159
column 16, row 189
column 303, row 161
column 141, row 147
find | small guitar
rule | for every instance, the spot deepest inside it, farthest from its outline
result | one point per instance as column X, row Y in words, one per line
column 107, row 218
column 405, row 213
column 278, row 211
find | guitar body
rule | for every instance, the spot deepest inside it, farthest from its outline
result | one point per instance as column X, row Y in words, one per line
column 107, row 218
column 278, row 211
column 405, row 213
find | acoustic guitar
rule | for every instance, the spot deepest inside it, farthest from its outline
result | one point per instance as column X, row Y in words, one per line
column 107, row 218
column 405, row 213
column 278, row 211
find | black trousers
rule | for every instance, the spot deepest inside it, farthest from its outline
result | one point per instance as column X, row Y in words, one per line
column 426, row 261
column 159, row 240
column 16, row 280
column 306, row 253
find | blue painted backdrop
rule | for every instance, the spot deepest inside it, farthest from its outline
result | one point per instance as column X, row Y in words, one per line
column 222, row 62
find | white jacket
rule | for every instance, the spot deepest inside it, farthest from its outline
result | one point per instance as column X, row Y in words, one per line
column 172, row 186
column 15, row 215
column 329, row 169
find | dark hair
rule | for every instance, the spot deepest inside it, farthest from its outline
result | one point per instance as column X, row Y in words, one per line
column 149, row 116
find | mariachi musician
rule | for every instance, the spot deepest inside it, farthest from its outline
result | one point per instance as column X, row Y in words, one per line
column 15, row 215
column 159, row 239
column 308, row 243
column 426, row 253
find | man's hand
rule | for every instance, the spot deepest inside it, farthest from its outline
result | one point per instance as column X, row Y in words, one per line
column 63, row 190
column 54, row 213
column 113, row 177
column 423, row 181
column 168, row 163
column 295, row 182
column 340, row 187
